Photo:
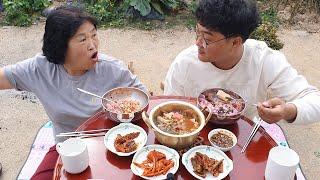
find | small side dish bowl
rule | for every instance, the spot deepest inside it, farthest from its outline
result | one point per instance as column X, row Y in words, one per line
column 220, row 138
column 142, row 154
column 123, row 129
column 211, row 152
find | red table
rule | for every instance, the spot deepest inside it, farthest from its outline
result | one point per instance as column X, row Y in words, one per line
column 106, row 165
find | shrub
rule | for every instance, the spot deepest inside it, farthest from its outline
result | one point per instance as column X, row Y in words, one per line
column 23, row 12
column 270, row 15
column 103, row 10
column 144, row 6
column 267, row 32
column 115, row 13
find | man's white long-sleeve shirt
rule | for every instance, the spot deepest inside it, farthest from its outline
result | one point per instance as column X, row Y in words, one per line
column 262, row 73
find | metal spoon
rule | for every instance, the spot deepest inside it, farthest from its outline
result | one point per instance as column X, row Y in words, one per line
column 86, row 92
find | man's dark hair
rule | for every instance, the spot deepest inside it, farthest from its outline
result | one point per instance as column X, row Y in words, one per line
column 229, row 17
column 61, row 24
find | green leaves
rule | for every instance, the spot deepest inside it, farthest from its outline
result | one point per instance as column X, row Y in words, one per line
column 270, row 15
column 39, row 5
column 143, row 6
column 23, row 12
column 107, row 12
column 170, row 4
column 268, row 33
column 157, row 6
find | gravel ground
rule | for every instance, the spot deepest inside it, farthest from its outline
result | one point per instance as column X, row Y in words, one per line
column 151, row 52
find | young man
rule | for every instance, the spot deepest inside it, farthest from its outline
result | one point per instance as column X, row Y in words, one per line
column 224, row 57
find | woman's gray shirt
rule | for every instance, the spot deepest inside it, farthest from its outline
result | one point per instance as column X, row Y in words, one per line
column 66, row 107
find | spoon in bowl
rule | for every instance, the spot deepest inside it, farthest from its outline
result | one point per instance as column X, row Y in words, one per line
column 86, row 92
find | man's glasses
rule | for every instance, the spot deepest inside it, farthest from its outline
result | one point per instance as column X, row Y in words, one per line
column 205, row 42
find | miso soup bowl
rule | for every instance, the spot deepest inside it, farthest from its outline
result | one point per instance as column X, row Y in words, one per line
column 174, row 140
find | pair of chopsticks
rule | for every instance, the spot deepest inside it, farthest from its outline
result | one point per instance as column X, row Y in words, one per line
column 89, row 133
column 253, row 132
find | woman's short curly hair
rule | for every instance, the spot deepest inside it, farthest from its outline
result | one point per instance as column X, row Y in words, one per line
column 61, row 24
column 229, row 17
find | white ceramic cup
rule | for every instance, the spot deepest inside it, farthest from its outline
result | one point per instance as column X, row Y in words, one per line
column 74, row 155
column 282, row 164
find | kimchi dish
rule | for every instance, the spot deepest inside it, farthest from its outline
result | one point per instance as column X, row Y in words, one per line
column 155, row 164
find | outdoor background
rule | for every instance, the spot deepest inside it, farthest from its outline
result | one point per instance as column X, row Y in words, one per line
column 132, row 36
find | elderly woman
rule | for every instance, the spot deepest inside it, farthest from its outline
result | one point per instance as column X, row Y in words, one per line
column 70, row 60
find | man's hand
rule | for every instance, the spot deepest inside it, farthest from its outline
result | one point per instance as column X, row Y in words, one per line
column 276, row 109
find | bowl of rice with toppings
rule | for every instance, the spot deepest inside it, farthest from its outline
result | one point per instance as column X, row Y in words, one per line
column 129, row 102
column 226, row 106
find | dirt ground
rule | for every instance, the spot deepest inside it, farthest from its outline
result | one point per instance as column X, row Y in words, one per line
column 151, row 53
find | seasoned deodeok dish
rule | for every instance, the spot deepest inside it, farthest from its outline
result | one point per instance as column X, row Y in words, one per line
column 202, row 164
column 126, row 143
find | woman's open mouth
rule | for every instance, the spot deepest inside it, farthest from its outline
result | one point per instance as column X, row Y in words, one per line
column 94, row 56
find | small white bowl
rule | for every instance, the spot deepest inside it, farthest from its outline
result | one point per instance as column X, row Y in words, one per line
column 224, row 131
